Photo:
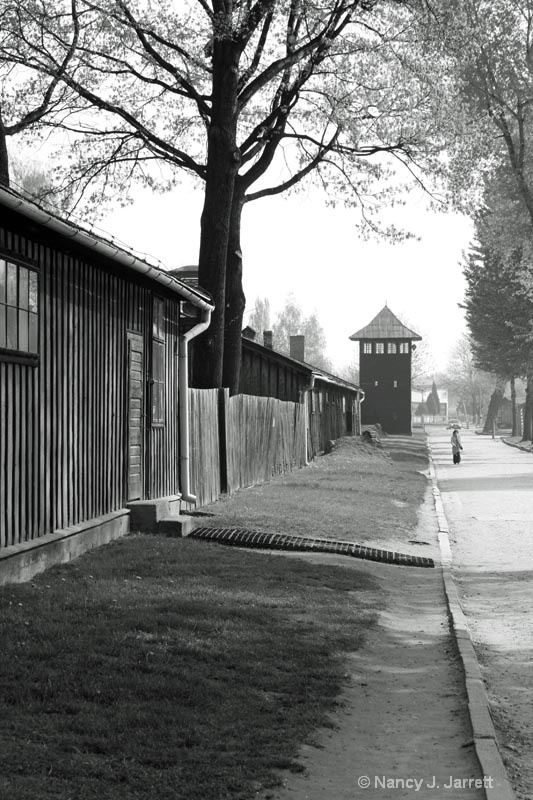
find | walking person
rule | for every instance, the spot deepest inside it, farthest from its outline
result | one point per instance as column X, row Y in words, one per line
column 456, row 446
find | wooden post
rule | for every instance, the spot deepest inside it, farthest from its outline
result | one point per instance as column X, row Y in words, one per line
column 223, row 395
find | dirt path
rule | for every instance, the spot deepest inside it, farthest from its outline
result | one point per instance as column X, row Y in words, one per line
column 488, row 501
column 401, row 729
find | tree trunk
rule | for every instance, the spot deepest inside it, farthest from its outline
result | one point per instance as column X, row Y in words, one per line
column 528, row 415
column 514, row 431
column 495, row 404
column 4, row 156
column 235, row 299
column 223, row 160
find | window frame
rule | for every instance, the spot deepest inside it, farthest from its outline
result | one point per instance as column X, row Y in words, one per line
column 21, row 344
column 158, row 366
column 380, row 348
column 404, row 348
column 367, row 348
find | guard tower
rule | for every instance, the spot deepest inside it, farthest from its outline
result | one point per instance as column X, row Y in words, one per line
column 385, row 348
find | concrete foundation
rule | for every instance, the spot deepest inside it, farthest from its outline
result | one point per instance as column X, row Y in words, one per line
column 20, row 562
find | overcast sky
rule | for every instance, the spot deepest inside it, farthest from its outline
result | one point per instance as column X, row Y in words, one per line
column 298, row 245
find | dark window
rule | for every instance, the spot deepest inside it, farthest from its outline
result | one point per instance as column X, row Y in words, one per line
column 159, row 319
column 158, row 362
column 18, row 308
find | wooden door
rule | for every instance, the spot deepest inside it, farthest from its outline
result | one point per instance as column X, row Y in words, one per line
column 135, row 434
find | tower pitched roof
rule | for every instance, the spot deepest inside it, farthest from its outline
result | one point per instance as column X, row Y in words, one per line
column 385, row 325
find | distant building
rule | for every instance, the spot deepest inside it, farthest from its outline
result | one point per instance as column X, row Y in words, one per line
column 419, row 398
column 385, row 351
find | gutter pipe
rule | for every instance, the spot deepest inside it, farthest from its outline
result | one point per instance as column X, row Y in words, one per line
column 183, row 402
column 361, row 401
column 100, row 245
column 305, row 393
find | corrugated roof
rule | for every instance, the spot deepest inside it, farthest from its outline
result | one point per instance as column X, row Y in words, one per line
column 385, row 325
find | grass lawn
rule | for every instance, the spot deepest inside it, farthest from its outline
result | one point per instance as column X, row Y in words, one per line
column 357, row 493
column 170, row 670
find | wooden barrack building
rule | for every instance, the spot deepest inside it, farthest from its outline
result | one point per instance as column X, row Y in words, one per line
column 89, row 336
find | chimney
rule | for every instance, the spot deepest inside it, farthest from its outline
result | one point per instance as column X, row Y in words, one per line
column 297, row 347
column 267, row 339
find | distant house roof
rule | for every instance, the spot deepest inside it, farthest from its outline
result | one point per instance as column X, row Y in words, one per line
column 103, row 244
column 188, row 274
column 385, row 325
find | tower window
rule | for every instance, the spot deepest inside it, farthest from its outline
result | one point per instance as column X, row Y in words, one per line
column 391, row 348
column 367, row 347
column 395, row 384
column 404, row 348
column 380, row 348
column 376, row 383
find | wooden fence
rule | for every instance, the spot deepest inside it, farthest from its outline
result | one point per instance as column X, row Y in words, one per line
column 242, row 440
column 204, row 445
column 264, row 437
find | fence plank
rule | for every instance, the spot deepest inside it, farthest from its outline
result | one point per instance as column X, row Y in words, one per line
column 258, row 437
column 264, row 437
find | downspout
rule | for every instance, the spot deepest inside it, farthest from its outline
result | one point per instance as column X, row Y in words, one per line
column 361, row 401
column 305, row 396
column 183, row 400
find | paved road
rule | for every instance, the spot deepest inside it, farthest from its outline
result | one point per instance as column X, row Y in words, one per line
column 488, row 500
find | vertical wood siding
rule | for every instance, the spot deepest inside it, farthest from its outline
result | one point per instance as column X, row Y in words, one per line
column 163, row 478
column 261, row 437
column 205, row 451
column 263, row 374
column 63, row 422
column 264, row 437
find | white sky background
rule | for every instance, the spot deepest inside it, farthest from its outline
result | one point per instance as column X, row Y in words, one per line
column 299, row 245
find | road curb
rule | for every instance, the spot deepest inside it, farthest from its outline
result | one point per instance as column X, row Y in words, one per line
column 517, row 445
column 484, row 734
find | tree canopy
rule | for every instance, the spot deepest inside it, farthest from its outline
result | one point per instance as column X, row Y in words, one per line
column 249, row 97
column 433, row 400
column 291, row 321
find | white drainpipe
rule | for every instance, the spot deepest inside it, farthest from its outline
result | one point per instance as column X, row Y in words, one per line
column 305, row 393
column 361, row 401
column 183, row 400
